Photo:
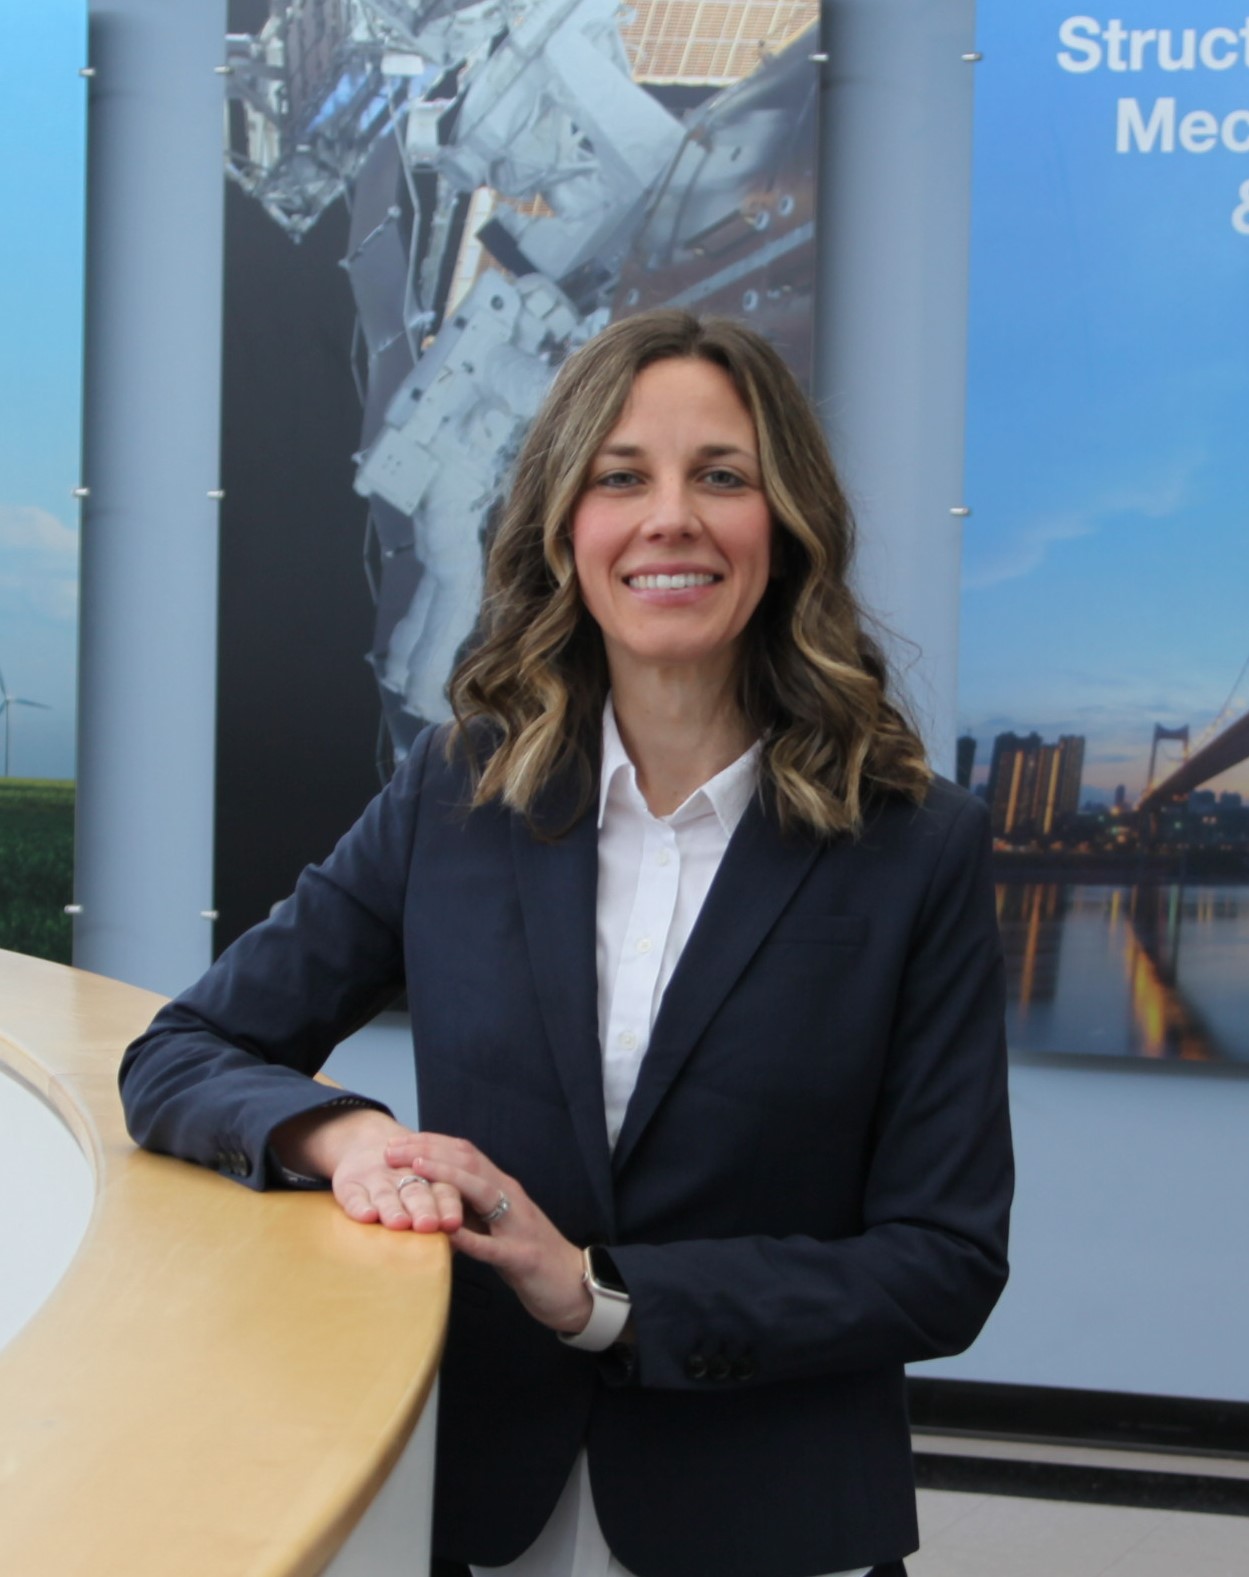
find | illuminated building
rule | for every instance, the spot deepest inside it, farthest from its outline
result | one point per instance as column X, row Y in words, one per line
column 1033, row 785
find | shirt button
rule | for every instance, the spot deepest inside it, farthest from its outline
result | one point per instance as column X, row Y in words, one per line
column 644, row 945
column 663, row 858
column 628, row 1040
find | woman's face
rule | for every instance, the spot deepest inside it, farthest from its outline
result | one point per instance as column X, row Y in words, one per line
column 672, row 536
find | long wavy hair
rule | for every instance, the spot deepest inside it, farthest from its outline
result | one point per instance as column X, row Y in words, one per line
column 813, row 683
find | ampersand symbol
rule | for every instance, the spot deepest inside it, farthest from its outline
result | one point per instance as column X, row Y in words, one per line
column 1240, row 219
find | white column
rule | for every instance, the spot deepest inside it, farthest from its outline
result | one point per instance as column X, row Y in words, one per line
column 147, row 689
column 895, row 202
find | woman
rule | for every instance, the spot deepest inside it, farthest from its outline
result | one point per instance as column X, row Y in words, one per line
column 706, row 999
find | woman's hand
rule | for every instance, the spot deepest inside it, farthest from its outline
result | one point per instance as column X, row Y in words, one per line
column 502, row 1227
column 349, row 1148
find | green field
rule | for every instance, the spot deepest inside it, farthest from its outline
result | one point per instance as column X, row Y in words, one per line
column 36, row 866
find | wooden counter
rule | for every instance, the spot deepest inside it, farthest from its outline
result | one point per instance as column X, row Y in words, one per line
column 223, row 1380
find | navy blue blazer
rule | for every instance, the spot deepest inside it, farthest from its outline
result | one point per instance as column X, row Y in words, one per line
column 810, row 1188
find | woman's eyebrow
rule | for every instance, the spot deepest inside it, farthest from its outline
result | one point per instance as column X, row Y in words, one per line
column 623, row 451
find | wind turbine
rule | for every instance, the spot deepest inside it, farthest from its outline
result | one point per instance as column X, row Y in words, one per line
column 8, row 701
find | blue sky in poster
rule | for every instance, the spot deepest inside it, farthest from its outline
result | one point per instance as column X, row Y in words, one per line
column 42, row 130
column 1106, row 566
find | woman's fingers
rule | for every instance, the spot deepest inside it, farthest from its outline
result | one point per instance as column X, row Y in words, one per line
column 486, row 1192
column 433, row 1207
column 356, row 1201
column 400, row 1198
column 406, row 1199
column 401, row 1207
column 405, row 1149
column 400, row 1150
column 480, row 1246
column 500, row 1225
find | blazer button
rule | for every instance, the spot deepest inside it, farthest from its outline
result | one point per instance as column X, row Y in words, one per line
column 744, row 1368
column 696, row 1366
column 719, row 1368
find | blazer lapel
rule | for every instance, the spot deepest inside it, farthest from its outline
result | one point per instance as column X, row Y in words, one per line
column 758, row 876
column 558, row 883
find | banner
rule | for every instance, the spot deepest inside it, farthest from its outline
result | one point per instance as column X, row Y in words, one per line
column 1104, row 691
column 42, row 178
column 429, row 209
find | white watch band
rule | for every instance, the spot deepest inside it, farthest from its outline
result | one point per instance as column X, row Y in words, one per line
column 609, row 1314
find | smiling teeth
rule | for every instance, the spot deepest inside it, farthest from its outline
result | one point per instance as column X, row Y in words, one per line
column 669, row 582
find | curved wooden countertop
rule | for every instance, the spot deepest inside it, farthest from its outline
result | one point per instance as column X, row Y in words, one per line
column 222, row 1380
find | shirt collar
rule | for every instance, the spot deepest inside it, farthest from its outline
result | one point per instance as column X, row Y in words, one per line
column 728, row 793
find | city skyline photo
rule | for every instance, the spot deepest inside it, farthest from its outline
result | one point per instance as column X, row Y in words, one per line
column 1107, row 465
column 1103, row 626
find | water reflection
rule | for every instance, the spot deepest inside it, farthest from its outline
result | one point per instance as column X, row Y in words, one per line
column 1149, row 970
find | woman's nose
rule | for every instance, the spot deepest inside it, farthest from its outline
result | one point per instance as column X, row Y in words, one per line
column 672, row 511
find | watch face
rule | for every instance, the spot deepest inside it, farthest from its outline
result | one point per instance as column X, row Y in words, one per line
column 603, row 1269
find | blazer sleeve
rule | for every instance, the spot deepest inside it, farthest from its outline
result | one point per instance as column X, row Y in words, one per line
column 231, row 1058
column 921, row 1277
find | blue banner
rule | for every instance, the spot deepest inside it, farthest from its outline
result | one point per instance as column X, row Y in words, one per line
column 1104, row 699
column 42, row 176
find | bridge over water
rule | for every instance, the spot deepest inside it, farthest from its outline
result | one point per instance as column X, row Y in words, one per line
column 1225, row 749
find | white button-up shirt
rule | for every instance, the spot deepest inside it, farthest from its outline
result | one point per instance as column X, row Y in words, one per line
column 654, row 874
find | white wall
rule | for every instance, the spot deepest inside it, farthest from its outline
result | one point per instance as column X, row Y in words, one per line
column 1130, row 1238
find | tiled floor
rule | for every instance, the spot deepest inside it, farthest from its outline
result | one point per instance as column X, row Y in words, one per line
column 999, row 1536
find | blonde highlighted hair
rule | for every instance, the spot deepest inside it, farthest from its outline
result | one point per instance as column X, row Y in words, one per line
column 813, row 683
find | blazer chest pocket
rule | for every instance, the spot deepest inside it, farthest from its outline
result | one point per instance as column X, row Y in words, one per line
column 794, row 1034
column 847, row 931
column 812, row 948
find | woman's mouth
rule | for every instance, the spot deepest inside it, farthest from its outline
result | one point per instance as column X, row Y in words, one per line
column 677, row 582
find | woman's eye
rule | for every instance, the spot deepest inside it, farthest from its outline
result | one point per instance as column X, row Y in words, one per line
column 615, row 479
column 720, row 477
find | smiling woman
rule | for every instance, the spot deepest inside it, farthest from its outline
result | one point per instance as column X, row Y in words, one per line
column 804, row 676
column 706, row 1005
column 672, row 535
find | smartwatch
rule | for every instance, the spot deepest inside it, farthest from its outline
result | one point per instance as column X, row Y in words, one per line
column 610, row 1301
